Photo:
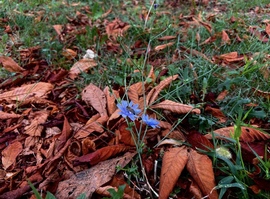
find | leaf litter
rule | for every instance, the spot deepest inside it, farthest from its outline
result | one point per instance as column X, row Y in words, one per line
column 70, row 146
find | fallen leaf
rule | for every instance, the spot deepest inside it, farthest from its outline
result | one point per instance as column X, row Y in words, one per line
column 103, row 154
column 173, row 163
column 153, row 94
column 94, row 96
column 5, row 116
column 255, row 32
column 216, row 112
column 201, row 169
column 163, row 46
column 267, row 29
column 40, row 89
column 10, row 65
column 69, row 54
column 10, row 153
column 248, row 134
column 89, row 180
column 111, row 97
column 198, row 141
column 166, row 38
column 225, row 38
column 82, row 65
column 176, row 107
column 35, row 128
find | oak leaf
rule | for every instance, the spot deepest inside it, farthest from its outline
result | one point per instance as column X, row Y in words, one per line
column 201, row 169
column 173, row 163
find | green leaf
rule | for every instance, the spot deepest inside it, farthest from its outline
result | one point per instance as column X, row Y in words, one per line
column 50, row 196
column 38, row 196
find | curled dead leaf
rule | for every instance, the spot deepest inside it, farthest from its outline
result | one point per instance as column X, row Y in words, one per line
column 10, row 65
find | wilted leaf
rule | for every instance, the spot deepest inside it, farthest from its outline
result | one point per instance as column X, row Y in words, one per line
column 65, row 135
column 111, row 97
column 247, row 134
column 116, row 28
column 153, row 94
column 5, row 116
column 38, row 118
column 93, row 125
column 225, row 38
column 173, row 163
column 163, row 46
column 197, row 140
column 69, row 54
column 10, row 65
column 254, row 31
column 89, row 180
column 134, row 92
column 94, row 96
column 201, row 169
column 222, row 95
column 10, row 153
column 82, row 65
column 166, row 38
column 176, row 107
column 262, row 93
column 216, row 112
column 103, row 154
column 39, row 89
column 267, row 29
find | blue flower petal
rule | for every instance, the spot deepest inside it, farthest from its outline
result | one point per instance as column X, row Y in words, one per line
column 150, row 121
column 129, row 110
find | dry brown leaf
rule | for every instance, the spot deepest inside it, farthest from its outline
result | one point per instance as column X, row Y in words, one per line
column 111, row 105
column 166, row 38
column 82, row 65
column 94, row 96
column 134, row 92
column 69, row 54
column 262, row 93
column 254, row 30
column 103, row 154
column 10, row 65
column 176, row 107
column 92, row 126
column 5, row 116
column 38, row 118
column 40, row 89
column 89, row 180
column 153, row 94
column 216, row 112
column 116, row 28
column 173, row 163
column 247, row 134
column 198, row 141
column 203, row 174
column 225, row 38
column 163, row 46
column 222, row 95
column 10, row 153
column 267, row 29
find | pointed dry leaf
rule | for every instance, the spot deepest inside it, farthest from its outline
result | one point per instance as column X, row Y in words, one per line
column 201, row 169
column 134, row 92
column 166, row 38
column 225, row 38
column 222, row 95
column 94, row 96
column 40, row 89
column 35, row 128
column 10, row 65
column 103, row 154
column 176, row 107
column 267, row 29
column 163, row 46
column 153, row 94
column 173, row 163
column 247, row 134
column 92, row 126
column 82, row 65
column 5, row 116
column 10, row 153
column 69, row 54
column 111, row 97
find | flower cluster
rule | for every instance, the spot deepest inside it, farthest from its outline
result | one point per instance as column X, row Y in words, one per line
column 131, row 110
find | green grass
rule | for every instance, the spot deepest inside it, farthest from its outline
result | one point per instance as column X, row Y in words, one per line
column 114, row 68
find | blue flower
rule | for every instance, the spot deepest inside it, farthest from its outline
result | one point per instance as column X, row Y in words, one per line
column 130, row 109
column 150, row 121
